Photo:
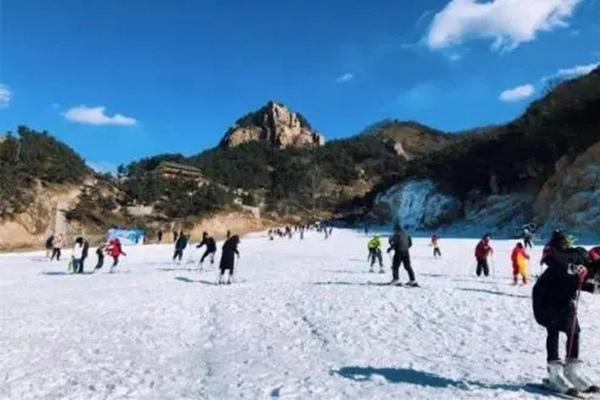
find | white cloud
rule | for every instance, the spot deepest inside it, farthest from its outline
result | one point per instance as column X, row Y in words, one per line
column 97, row 116
column 5, row 95
column 516, row 94
column 577, row 70
column 507, row 22
column 347, row 77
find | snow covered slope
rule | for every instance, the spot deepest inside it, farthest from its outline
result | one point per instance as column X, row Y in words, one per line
column 304, row 321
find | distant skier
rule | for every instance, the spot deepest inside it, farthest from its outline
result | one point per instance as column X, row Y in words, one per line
column 180, row 245
column 211, row 247
column 435, row 243
column 175, row 236
column 519, row 258
column 228, row 253
column 100, row 254
column 76, row 255
column 49, row 246
column 374, row 247
column 527, row 237
column 84, row 255
column 555, row 308
column 160, row 234
column 57, row 245
column 482, row 251
column 401, row 242
column 115, row 250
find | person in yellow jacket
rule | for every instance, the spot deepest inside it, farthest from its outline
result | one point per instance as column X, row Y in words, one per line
column 374, row 247
column 520, row 260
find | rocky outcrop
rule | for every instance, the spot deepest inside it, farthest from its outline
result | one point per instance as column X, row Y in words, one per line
column 571, row 197
column 417, row 205
column 276, row 125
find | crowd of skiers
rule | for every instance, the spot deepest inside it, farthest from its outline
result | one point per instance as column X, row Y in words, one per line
column 569, row 271
column 80, row 252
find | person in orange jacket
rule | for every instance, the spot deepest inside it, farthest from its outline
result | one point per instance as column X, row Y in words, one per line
column 519, row 259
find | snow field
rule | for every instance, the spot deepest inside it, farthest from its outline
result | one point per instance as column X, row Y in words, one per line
column 305, row 320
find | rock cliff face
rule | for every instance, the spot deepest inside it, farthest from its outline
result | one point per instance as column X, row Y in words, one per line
column 276, row 125
column 572, row 196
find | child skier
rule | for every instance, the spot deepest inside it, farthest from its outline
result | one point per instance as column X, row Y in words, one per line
column 554, row 307
column 228, row 254
column 115, row 251
column 519, row 259
column 374, row 247
column 211, row 247
column 100, row 254
column 482, row 251
column 436, row 246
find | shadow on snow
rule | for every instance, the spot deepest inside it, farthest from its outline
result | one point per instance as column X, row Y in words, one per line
column 518, row 296
column 427, row 379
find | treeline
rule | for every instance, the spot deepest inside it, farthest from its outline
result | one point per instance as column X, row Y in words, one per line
column 29, row 158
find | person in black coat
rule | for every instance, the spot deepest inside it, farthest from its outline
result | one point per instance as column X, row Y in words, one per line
column 180, row 246
column 401, row 242
column 230, row 250
column 211, row 247
column 84, row 255
column 554, row 307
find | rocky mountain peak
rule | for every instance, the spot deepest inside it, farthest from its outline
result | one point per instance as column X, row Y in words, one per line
column 274, row 124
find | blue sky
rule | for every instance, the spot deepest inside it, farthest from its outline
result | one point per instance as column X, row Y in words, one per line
column 119, row 80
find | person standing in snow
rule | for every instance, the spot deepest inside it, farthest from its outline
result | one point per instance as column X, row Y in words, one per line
column 482, row 251
column 100, row 254
column 401, row 242
column 435, row 243
column 180, row 246
column 228, row 253
column 160, row 236
column 115, row 250
column 374, row 247
column 519, row 258
column 57, row 245
column 77, row 255
column 84, row 254
column 527, row 237
column 211, row 247
column 175, row 236
column 554, row 308
column 49, row 245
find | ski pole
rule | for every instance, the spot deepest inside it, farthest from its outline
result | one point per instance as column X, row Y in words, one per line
column 574, row 323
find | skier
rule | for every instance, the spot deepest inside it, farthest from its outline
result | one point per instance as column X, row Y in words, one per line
column 527, row 237
column 49, row 246
column 228, row 254
column 57, row 245
column 100, row 254
column 115, row 250
column 436, row 246
column 519, row 259
column 77, row 255
column 401, row 242
column 84, row 254
column 180, row 246
column 482, row 251
column 160, row 236
column 555, row 308
column 211, row 247
column 175, row 236
column 374, row 247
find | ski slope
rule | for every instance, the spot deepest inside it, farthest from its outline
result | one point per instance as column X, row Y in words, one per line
column 305, row 320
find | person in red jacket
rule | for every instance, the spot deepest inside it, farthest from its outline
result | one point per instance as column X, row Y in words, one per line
column 482, row 251
column 115, row 250
column 519, row 259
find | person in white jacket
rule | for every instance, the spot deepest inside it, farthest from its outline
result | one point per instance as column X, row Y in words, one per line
column 78, row 255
